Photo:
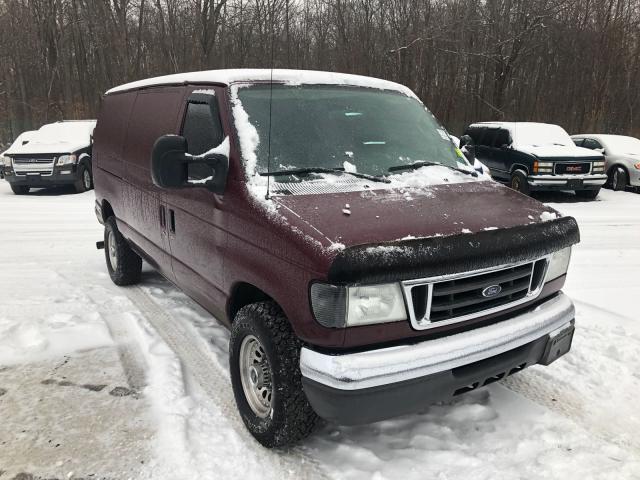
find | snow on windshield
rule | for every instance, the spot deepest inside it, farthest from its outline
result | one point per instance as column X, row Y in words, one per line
column 623, row 145
column 539, row 134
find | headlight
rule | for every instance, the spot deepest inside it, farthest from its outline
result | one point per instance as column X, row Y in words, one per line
column 6, row 161
column 66, row 160
column 558, row 263
column 341, row 306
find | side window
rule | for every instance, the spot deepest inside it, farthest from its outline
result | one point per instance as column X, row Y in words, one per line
column 475, row 133
column 502, row 138
column 578, row 141
column 203, row 131
column 489, row 137
column 591, row 143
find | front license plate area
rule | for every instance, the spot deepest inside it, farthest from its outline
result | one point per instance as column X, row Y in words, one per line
column 574, row 184
column 557, row 345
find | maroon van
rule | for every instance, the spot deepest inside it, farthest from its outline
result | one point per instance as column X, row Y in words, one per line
column 365, row 269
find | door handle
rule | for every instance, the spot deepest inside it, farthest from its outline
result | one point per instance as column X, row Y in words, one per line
column 163, row 218
column 172, row 221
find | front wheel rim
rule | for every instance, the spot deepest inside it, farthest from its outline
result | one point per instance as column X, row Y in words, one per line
column 255, row 376
column 113, row 254
column 86, row 177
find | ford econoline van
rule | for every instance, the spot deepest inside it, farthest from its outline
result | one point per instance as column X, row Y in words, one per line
column 363, row 266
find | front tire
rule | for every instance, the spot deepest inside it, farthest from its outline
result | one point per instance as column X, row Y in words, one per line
column 264, row 358
column 20, row 189
column 618, row 178
column 85, row 179
column 124, row 265
column 519, row 182
column 588, row 194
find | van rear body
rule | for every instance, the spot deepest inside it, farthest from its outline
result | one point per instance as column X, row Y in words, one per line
column 363, row 266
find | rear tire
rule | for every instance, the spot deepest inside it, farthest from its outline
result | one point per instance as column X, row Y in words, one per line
column 618, row 178
column 20, row 189
column 85, row 179
column 519, row 182
column 124, row 265
column 588, row 194
column 269, row 378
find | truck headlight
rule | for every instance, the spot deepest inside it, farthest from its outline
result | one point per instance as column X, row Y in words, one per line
column 558, row 263
column 6, row 161
column 66, row 160
column 348, row 306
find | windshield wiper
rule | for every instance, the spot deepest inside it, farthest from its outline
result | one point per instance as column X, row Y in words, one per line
column 307, row 171
column 424, row 163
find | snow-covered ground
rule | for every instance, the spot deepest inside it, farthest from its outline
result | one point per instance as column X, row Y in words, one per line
column 98, row 381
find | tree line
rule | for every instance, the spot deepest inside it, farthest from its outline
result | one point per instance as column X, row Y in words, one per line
column 571, row 62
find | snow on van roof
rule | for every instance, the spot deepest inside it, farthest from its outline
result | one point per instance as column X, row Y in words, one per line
column 290, row 77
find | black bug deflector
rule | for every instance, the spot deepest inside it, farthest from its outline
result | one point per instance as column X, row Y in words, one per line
column 427, row 257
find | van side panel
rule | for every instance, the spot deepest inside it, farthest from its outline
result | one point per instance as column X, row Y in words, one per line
column 154, row 114
column 108, row 137
column 110, row 132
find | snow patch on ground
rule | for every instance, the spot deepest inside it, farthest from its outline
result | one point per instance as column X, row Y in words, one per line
column 32, row 339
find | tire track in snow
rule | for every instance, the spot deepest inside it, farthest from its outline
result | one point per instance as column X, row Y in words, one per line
column 193, row 352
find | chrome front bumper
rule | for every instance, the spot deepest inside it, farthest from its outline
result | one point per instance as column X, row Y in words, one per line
column 387, row 366
column 560, row 180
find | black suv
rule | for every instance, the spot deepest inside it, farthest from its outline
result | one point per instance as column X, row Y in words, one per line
column 57, row 154
column 536, row 156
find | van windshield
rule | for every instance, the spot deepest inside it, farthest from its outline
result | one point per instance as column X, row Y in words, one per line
column 325, row 126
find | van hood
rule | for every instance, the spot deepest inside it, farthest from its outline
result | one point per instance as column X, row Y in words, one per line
column 380, row 216
column 564, row 151
column 412, row 233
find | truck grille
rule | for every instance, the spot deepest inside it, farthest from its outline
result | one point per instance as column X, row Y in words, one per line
column 576, row 168
column 458, row 297
column 40, row 166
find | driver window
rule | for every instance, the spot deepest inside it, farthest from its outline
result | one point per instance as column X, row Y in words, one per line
column 203, row 131
column 502, row 138
column 591, row 144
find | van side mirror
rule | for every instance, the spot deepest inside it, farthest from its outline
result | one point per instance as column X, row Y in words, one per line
column 170, row 166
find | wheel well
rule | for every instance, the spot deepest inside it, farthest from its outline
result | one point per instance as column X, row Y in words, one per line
column 244, row 294
column 519, row 166
column 618, row 165
column 107, row 211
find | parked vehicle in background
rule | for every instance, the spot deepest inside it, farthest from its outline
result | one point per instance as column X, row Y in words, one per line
column 622, row 157
column 22, row 139
column 364, row 268
column 537, row 156
column 54, row 155
column 469, row 152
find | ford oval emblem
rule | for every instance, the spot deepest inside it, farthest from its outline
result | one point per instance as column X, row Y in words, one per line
column 491, row 291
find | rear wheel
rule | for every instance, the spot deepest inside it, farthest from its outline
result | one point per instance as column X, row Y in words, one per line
column 20, row 189
column 264, row 358
column 519, row 182
column 618, row 178
column 124, row 265
column 588, row 194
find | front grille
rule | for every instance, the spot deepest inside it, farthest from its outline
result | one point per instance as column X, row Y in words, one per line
column 575, row 168
column 459, row 297
column 32, row 166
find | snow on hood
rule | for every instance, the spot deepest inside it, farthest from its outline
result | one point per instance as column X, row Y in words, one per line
column 60, row 137
column 550, row 151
